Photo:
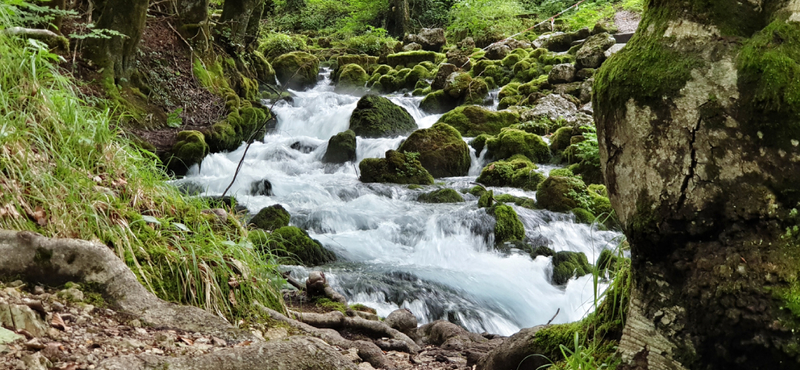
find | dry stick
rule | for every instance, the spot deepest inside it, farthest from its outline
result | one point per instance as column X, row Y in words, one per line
column 553, row 318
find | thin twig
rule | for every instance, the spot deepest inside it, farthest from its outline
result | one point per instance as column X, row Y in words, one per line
column 553, row 318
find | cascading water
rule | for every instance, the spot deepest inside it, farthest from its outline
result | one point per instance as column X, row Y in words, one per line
column 434, row 259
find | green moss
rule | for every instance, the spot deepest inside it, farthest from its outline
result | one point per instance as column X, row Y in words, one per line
column 189, row 149
column 508, row 226
column 568, row 264
column 352, row 78
column 271, row 218
column 441, row 150
column 511, row 142
column 330, row 305
column 486, row 199
column 376, row 116
column 517, row 171
column 583, row 216
column 295, row 245
column 477, row 190
column 511, row 59
column 509, row 90
column 441, row 196
column 561, row 140
column 479, row 142
column 297, row 70
column 562, row 194
column 474, row 120
column 549, row 340
column 542, row 251
column 363, row 308
column 437, row 102
column 397, row 167
column 341, row 148
column 561, row 172
column 411, row 58
column 382, row 70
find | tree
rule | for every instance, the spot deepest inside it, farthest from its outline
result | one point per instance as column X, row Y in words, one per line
column 698, row 124
column 399, row 22
column 239, row 21
column 115, row 55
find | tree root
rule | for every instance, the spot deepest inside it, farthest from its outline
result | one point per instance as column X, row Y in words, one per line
column 336, row 320
column 55, row 262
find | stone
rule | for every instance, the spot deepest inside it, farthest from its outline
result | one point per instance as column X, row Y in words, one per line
column 352, row 78
column 613, row 50
column 70, row 295
column 376, row 116
column 497, row 51
column 261, row 187
column 474, row 120
column 397, row 167
column 556, row 41
column 553, row 106
column 446, row 195
column 592, row 53
column 510, row 142
column 586, row 91
column 442, row 150
column 296, row 70
column 562, row 73
column 445, row 70
column 430, row 39
column 412, row 47
column 341, row 148
column 410, row 58
column 438, row 102
column 515, row 353
column 295, row 245
column 22, row 317
column 517, row 171
column 402, row 320
column 271, row 218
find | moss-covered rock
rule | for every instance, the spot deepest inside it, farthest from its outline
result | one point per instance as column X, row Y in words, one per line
column 518, row 172
column 511, row 142
column 474, row 120
column 486, row 199
column 297, row 70
column 560, row 140
column 446, row 195
column 376, row 116
column 271, row 218
column 441, row 150
column 519, row 201
column 352, row 78
column 562, row 194
column 583, row 216
column 464, row 89
column 561, row 172
column 508, row 226
column 189, row 149
column 397, row 167
column 592, row 53
column 412, row 58
column 438, row 102
column 364, row 61
column 295, row 244
column 476, row 190
column 479, row 142
column 341, row 148
column 568, row 264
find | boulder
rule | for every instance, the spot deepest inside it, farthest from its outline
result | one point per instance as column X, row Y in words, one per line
column 261, row 187
column 438, row 102
column 446, row 195
column 296, row 70
column 402, row 320
column 412, row 47
column 352, row 78
column 613, row 50
column 463, row 88
column 445, row 70
column 517, row 171
column 553, row 106
column 295, row 245
column 189, row 149
column 592, row 53
column 365, row 61
column 561, row 139
column 511, row 142
column 556, row 41
column 441, row 150
column 341, row 148
column 497, row 51
column 567, row 264
column 21, row 317
column 459, row 58
column 410, row 58
column 508, row 226
column 474, row 120
column 430, row 39
column 376, row 116
column 562, row 194
column 397, row 167
column 271, row 218
column 562, row 73
column 586, row 91
column 517, row 352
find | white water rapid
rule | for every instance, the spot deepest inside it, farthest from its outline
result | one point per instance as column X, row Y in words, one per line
column 394, row 252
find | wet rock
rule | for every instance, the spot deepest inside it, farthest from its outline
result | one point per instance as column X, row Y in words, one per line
column 410, row 58
column 341, row 148
column 459, row 58
column 189, row 149
column 261, row 187
column 430, row 39
column 441, row 196
column 70, row 295
column 567, row 264
column 562, row 73
column 412, row 47
column 556, row 41
column 295, row 245
column 438, row 102
column 352, row 78
column 271, row 218
column 515, row 353
column 297, row 70
column 474, row 120
column 376, row 116
column 303, row 147
column 442, row 151
column 36, row 361
column 397, row 167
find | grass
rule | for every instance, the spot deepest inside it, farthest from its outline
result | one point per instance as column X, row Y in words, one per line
column 67, row 171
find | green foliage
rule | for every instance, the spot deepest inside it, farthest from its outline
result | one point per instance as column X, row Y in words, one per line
column 446, row 195
column 588, row 149
column 374, row 41
column 275, row 44
column 483, row 19
column 174, row 119
column 330, row 305
column 589, row 14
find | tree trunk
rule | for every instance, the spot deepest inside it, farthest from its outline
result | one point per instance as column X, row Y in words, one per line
column 236, row 20
column 193, row 14
column 115, row 55
column 399, row 22
column 698, row 125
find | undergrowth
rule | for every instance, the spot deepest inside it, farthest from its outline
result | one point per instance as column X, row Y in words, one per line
column 66, row 171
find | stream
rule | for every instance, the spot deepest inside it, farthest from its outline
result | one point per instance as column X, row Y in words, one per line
column 434, row 259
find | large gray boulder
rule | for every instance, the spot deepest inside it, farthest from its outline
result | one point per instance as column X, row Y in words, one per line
column 553, row 106
column 561, row 74
column 592, row 53
column 431, row 39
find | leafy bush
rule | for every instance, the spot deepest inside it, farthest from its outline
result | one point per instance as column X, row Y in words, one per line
column 373, row 42
column 483, row 18
column 274, row 44
column 430, row 13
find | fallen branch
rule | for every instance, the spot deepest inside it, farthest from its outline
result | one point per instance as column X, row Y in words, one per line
column 51, row 38
column 289, row 279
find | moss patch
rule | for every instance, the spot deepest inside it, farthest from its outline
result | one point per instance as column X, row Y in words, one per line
column 271, row 218
column 511, row 142
column 397, row 167
column 297, row 70
column 474, row 120
column 508, row 226
column 376, row 116
column 441, row 150
column 518, row 172
column 441, row 196
column 568, row 264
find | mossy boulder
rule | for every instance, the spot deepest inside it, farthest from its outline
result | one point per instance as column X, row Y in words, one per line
column 352, row 78
column 271, row 218
column 538, row 127
column 341, row 148
column 560, row 140
column 376, row 116
column 583, row 216
column 364, row 61
column 189, row 149
column 518, row 172
column 486, row 199
column 562, row 194
column 438, row 102
column 441, row 150
column 295, row 244
column 397, row 167
column 412, row 58
column 592, row 53
column 297, row 70
column 568, row 264
column 511, row 142
column 508, row 226
column 479, row 142
column 473, row 120
column 441, row 196
column 519, row 201
column 463, row 88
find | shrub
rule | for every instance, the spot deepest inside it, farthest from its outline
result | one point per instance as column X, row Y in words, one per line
column 274, row 44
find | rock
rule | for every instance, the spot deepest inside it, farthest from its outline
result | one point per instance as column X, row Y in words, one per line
column 8, row 336
column 464, row 89
column 441, row 196
column 376, row 116
column 294, row 244
column 397, row 167
column 271, row 218
column 592, row 53
column 572, row 89
column 352, row 78
column 189, row 149
column 585, row 74
column 287, row 354
column 561, row 194
column 561, row 139
column 497, row 51
column 412, row 47
column 430, row 39
column 341, row 148
column 71, row 294
column 474, row 120
column 459, row 58
column 445, row 70
column 441, row 150
column 447, row 335
column 511, row 142
column 508, row 226
column 261, row 187
column 296, row 70
column 402, row 320
column 553, row 106
column 613, row 50
column 438, row 102
column 36, row 361
column 410, row 58
column 604, row 27
column 366, row 62
column 556, row 41
column 586, row 91
column 303, row 147
column 466, row 44
column 218, row 215
column 567, row 264
column 517, row 171
column 21, row 317
column 516, row 352
column 562, row 73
